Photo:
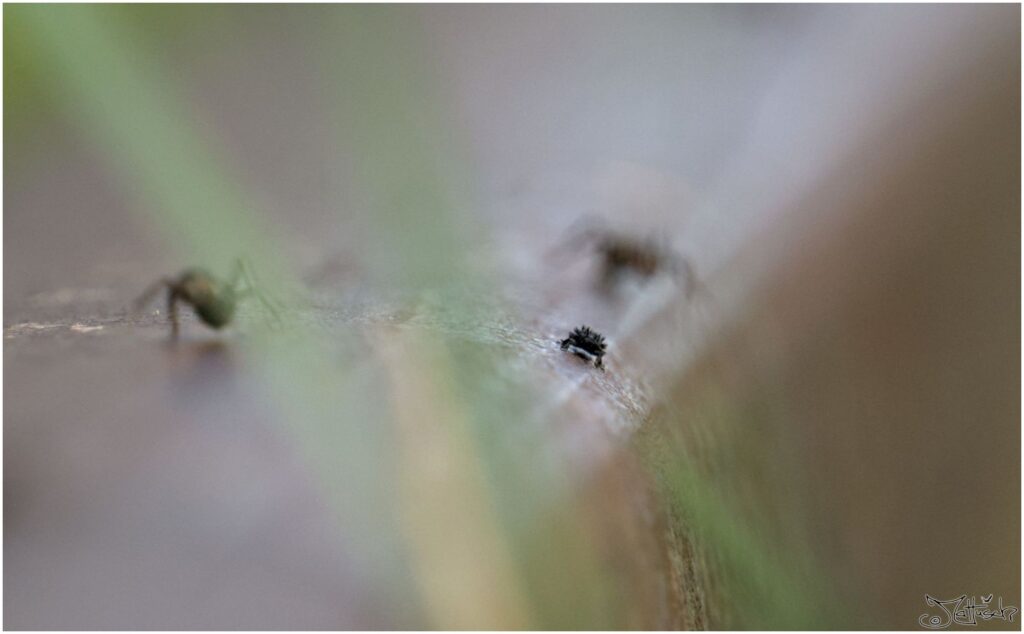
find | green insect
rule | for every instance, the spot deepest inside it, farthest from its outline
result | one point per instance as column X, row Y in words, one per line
column 213, row 300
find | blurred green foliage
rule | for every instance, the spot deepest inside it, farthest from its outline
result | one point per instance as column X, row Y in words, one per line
column 755, row 555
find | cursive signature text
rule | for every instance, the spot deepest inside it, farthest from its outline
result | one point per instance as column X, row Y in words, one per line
column 964, row 610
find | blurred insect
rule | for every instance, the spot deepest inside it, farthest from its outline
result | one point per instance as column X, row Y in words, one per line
column 586, row 344
column 213, row 300
column 625, row 255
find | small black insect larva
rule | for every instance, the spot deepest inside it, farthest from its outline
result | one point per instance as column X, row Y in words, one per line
column 586, row 344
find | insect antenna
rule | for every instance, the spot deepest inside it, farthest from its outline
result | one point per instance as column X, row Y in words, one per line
column 271, row 305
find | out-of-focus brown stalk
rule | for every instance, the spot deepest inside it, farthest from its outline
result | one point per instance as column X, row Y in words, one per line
column 864, row 405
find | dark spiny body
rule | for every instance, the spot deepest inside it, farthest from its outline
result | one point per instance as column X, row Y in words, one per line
column 586, row 344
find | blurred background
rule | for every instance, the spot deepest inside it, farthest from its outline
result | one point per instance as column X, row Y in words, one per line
column 823, row 432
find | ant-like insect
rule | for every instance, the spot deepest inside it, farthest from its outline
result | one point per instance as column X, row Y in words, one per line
column 586, row 344
column 623, row 254
column 214, row 301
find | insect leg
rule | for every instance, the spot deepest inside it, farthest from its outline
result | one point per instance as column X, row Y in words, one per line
column 683, row 271
column 147, row 295
column 237, row 270
column 172, row 310
column 582, row 234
